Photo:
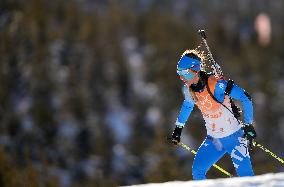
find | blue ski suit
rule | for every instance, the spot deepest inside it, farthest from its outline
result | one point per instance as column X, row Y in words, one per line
column 224, row 133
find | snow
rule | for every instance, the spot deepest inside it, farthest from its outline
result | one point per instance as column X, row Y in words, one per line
column 266, row 180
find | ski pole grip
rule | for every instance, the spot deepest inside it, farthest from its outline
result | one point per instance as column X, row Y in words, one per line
column 202, row 33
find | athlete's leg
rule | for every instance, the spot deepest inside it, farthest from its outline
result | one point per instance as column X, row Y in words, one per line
column 209, row 152
column 238, row 149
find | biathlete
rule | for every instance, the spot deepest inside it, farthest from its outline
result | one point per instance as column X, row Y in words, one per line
column 214, row 97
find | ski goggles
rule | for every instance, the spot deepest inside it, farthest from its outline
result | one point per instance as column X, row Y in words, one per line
column 186, row 73
column 182, row 72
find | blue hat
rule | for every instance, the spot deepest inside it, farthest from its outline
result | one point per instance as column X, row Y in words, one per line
column 188, row 63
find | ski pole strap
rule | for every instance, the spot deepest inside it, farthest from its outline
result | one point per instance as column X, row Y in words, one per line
column 214, row 165
column 268, row 152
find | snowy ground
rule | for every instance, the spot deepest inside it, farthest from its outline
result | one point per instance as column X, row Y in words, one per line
column 267, row 180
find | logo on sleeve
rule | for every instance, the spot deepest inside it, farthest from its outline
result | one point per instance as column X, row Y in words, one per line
column 222, row 86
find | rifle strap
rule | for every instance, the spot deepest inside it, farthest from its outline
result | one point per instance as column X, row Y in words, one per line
column 204, row 77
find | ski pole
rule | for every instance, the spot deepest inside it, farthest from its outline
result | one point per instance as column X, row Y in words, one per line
column 194, row 152
column 268, row 152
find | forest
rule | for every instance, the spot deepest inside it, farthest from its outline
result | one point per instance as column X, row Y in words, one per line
column 89, row 90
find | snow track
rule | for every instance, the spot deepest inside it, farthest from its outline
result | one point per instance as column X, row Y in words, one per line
column 267, row 180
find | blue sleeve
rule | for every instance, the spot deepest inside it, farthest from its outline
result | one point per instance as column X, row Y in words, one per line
column 239, row 94
column 219, row 91
column 186, row 108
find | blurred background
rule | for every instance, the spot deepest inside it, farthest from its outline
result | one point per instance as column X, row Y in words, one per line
column 89, row 91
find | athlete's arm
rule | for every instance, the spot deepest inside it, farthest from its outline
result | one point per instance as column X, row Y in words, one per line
column 186, row 108
column 236, row 93
column 240, row 94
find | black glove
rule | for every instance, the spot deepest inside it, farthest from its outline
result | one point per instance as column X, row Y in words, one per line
column 176, row 135
column 249, row 134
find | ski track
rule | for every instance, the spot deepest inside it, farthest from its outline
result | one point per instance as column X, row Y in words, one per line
column 266, row 180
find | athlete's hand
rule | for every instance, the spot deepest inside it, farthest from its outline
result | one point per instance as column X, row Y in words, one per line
column 249, row 134
column 175, row 139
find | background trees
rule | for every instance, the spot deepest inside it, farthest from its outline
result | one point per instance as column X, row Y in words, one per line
column 89, row 92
